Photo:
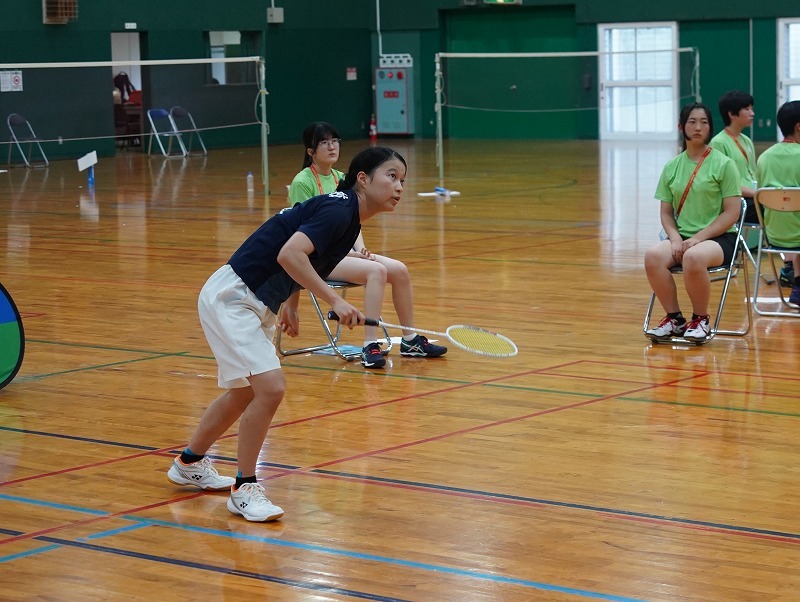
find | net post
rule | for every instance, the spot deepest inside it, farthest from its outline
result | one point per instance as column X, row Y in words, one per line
column 697, row 96
column 262, row 91
column 438, row 111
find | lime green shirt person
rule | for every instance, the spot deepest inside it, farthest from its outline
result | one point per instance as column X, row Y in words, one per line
column 742, row 154
column 779, row 166
column 716, row 179
column 310, row 183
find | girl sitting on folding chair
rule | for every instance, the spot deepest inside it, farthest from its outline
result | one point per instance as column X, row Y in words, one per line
column 700, row 202
column 321, row 150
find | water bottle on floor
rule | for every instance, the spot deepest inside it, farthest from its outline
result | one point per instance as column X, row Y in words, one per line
column 251, row 184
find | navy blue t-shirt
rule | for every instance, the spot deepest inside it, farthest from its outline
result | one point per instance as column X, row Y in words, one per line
column 331, row 222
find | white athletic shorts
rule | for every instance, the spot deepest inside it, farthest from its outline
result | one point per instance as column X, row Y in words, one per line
column 239, row 329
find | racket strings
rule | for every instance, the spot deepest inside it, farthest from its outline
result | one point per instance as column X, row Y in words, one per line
column 481, row 341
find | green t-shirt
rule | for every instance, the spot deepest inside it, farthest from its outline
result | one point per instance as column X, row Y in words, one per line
column 724, row 143
column 779, row 166
column 716, row 179
column 304, row 185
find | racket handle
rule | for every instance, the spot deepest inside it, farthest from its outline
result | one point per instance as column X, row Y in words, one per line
column 368, row 322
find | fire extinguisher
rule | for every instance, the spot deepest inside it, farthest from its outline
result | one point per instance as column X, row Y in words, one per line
column 373, row 129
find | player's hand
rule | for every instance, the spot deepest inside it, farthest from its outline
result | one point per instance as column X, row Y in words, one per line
column 677, row 250
column 289, row 321
column 348, row 315
column 366, row 254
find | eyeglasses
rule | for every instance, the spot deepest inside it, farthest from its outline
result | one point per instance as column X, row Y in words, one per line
column 330, row 142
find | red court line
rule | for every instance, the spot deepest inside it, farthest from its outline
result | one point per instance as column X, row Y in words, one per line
column 488, row 497
column 417, row 395
column 165, row 450
column 127, row 282
column 92, row 465
column 682, row 369
column 485, row 426
column 521, row 247
column 758, row 393
column 704, row 528
column 112, row 252
column 282, row 472
column 609, row 380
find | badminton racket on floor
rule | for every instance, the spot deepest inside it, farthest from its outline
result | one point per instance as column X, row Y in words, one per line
column 469, row 338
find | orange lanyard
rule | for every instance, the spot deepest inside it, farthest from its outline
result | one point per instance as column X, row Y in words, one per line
column 316, row 177
column 691, row 180
column 744, row 152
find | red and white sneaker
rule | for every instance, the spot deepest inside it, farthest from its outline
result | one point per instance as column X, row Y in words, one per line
column 697, row 329
column 666, row 329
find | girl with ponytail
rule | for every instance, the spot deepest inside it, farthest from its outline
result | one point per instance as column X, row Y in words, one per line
column 296, row 248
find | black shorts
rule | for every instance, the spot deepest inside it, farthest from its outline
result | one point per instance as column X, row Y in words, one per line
column 727, row 241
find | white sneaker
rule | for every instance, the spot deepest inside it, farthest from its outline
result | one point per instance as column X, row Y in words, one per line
column 251, row 502
column 697, row 330
column 666, row 329
column 200, row 474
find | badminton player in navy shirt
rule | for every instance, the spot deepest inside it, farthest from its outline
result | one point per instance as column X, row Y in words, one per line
column 294, row 249
column 330, row 222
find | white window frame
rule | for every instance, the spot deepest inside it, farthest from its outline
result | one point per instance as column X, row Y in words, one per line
column 783, row 79
column 605, row 85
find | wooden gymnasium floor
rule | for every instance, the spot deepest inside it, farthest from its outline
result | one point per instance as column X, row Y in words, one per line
column 594, row 465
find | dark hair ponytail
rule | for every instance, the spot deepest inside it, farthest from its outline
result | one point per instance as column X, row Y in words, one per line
column 313, row 135
column 367, row 161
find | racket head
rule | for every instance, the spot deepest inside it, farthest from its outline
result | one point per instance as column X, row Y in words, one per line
column 481, row 341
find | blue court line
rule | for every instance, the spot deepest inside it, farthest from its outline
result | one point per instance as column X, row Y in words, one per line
column 43, row 549
column 221, row 569
column 555, row 503
column 57, row 506
column 112, row 532
column 139, row 521
column 388, row 560
column 28, row 553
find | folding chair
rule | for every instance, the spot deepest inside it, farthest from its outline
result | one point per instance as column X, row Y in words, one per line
column 185, row 123
column 785, row 200
column 333, row 343
column 747, row 228
column 162, row 126
column 22, row 133
column 730, row 269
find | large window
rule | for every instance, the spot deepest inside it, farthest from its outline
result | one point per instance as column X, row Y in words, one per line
column 233, row 44
column 788, row 60
column 639, row 83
